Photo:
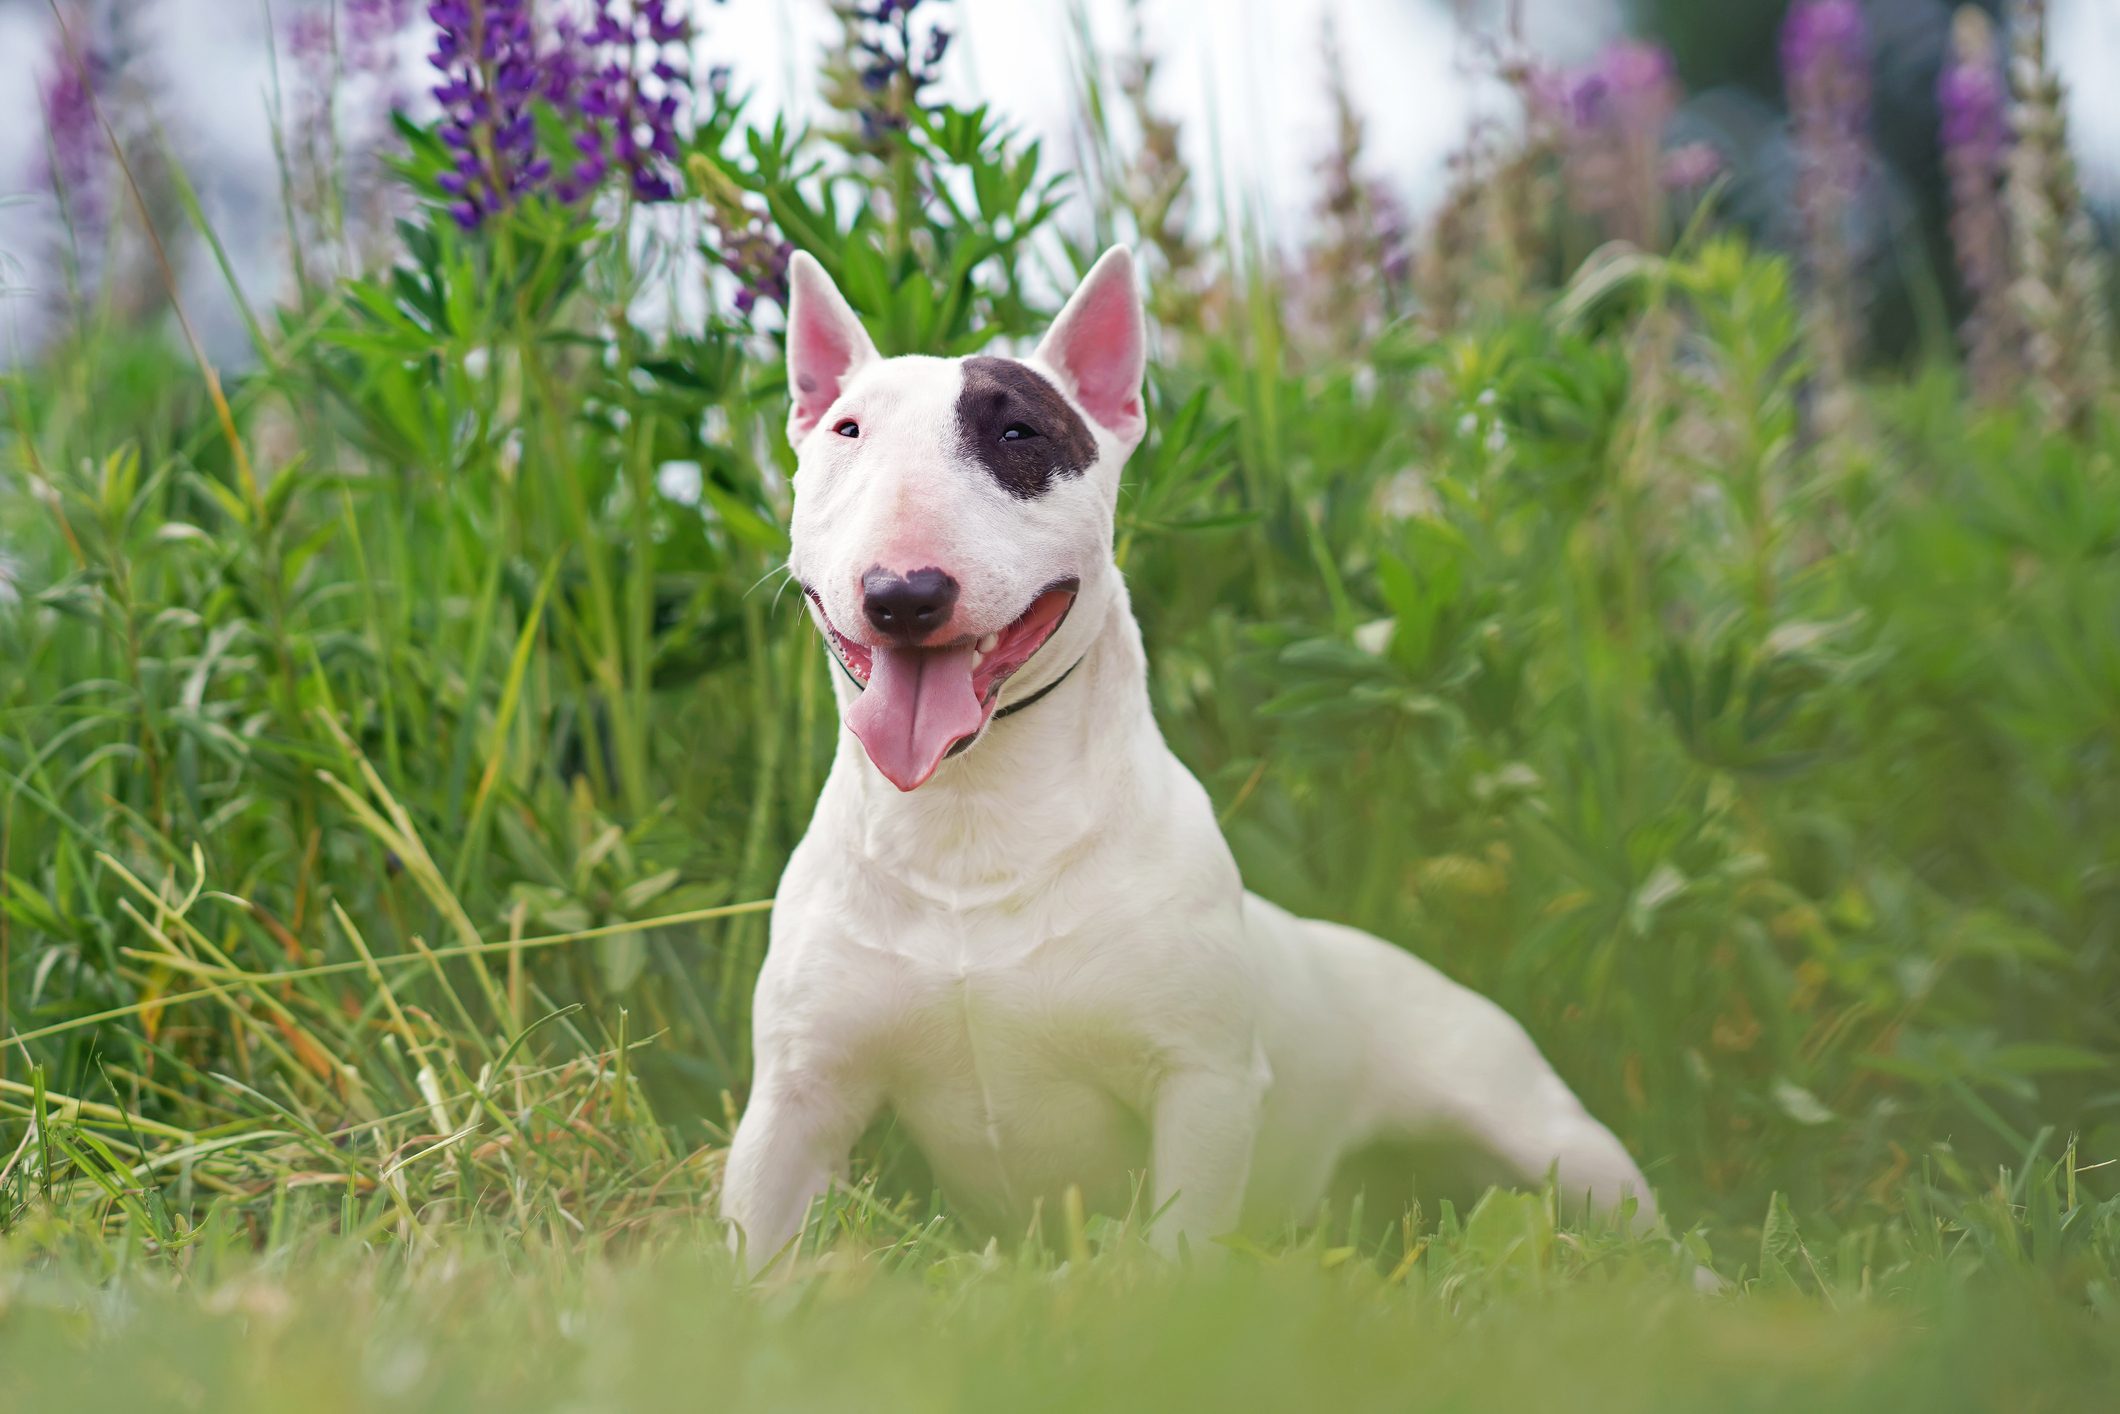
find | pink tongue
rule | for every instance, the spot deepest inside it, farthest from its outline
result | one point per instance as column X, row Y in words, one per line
column 919, row 703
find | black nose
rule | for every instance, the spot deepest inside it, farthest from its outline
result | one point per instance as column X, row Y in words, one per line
column 908, row 607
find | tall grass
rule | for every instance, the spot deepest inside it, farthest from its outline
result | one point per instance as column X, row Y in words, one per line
column 394, row 772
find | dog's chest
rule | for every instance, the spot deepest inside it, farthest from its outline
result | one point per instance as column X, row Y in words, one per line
column 1019, row 1077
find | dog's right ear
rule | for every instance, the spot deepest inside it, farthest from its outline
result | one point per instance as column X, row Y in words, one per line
column 826, row 344
column 1099, row 345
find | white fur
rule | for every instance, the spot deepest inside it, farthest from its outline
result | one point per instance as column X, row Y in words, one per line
column 1043, row 960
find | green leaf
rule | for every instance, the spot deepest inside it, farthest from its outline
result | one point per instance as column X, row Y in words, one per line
column 620, row 959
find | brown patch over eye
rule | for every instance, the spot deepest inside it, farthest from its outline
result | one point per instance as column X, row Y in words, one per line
column 1017, row 425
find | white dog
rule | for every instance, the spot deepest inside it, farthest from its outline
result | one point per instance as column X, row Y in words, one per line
column 1013, row 921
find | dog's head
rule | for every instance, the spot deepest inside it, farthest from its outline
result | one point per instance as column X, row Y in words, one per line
column 949, row 513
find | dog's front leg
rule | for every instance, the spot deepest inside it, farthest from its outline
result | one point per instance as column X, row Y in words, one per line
column 1205, row 1125
column 794, row 1138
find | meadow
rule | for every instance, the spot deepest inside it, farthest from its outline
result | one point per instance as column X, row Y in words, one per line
column 402, row 728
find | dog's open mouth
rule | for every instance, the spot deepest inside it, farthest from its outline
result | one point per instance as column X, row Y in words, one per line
column 919, row 705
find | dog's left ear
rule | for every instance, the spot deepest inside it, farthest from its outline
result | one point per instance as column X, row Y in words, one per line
column 826, row 344
column 1100, row 346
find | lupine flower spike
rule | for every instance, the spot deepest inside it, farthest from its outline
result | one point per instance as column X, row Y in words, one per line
column 1608, row 121
column 75, row 151
column 1612, row 120
column 2060, row 287
column 1972, row 97
column 347, row 84
column 1825, row 60
column 746, row 242
column 629, row 78
column 373, row 28
column 486, row 56
column 891, row 62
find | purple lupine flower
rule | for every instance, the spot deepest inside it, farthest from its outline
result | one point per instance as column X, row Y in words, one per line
column 373, row 27
column 311, row 53
column 1973, row 98
column 893, row 62
column 348, row 79
column 486, row 60
column 628, row 78
column 564, row 64
column 1825, row 56
column 373, row 31
column 309, row 37
column 1632, row 83
column 1610, row 118
column 758, row 257
column 745, row 243
column 68, row 92
column 1825, row 60
column 354, row 40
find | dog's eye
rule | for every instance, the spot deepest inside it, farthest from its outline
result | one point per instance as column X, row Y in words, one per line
column 848, row 428
column 1017, row 431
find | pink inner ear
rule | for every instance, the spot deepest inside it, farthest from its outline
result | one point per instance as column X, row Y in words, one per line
column 819, row 355
column 1102, row 349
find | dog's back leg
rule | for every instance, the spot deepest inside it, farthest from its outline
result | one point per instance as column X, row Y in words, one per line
column 1450, row 1070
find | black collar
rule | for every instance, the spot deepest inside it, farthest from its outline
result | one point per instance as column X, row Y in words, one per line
column 1040, row 694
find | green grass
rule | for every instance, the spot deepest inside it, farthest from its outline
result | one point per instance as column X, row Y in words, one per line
column 1497, row 1315
column 393, row 781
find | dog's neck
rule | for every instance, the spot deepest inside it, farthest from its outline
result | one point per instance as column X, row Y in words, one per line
column 1036, row 788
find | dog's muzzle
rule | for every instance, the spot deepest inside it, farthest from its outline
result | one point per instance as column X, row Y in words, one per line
column 921, row 704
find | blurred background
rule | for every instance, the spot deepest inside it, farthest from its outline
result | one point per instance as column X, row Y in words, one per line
column 1244, row 82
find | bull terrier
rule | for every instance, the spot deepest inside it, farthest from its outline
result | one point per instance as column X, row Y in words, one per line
column 1013, row 921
